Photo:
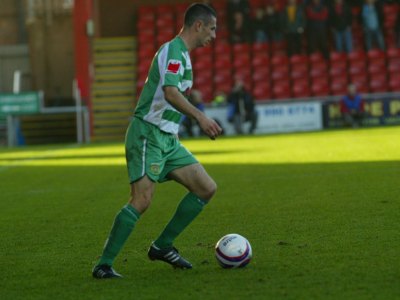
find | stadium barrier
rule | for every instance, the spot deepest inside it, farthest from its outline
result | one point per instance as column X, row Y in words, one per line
column 313, row 114
column 381, row 109
column 28, row 121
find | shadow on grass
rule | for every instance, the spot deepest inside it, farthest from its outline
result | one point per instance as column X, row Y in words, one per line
column 335, row 223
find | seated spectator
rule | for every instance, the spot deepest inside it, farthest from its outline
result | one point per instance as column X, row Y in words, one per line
column 273, row 23
column 397, row 30
column 242, row 6
column 372, row 19
column 238, row 18
column 239, row 31
column 259, row 26
column 352, row 107
column 293, row 26
column 317, row 24
column 341, row 19
column 241, row 108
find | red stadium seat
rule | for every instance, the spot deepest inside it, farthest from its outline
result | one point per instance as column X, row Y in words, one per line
column 357, row 67
column 223, row 48
column 338, row 69
column 316, row 57
column 222, row 62
column 145, row 23
column 281, row 90
column 280, row 72
column 319, row 68
column 262, row 91
column 394, row 82
column 301, row 89
column 165, row 9
column 358, row 55
column 241, row 48
column 299, row 71
column 261, row 73
column 280, row 59
column 376, row 56
column 241, row 61
column 376, row 68
column 260, row 48
column 278, row 48
column 339, row 86
column 319, row 86
column 146, row 51
column 361, row 82
column 204, row 78
column 337, row 57
column 393, row 53
column 260, row 59
column 378, row 83
column 147, row 36
column 394, row 67
column 203, row 51
column 203, row 63
column 165, row 22
column 299, row 59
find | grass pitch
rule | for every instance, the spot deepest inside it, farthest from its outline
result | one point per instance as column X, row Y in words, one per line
column 321, row 211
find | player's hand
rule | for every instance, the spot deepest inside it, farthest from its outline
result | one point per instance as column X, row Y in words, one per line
column 210, row 127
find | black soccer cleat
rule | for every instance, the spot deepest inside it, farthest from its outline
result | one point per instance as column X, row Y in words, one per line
column 105, row 272
column 169, row 255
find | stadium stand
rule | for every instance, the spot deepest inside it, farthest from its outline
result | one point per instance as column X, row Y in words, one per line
column 265, row 67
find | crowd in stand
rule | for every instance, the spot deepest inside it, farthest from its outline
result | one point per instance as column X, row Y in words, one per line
column 254, row 35
column 309, row 22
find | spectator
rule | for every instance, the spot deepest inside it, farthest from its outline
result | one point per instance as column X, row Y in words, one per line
column 293, row 26
column 188, row 123
column 397, row 30
column 233, row 8
column 372, row 18
column 352, row 107
column 241, row 108
column 242, row 6
column 340, row 20
column 239, row 30
column 259, row 26
column 273, row 23
column 317, row 23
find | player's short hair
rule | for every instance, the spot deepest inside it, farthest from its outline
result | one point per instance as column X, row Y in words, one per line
column 198, row 11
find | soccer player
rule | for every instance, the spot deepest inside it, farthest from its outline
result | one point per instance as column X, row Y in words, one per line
column 153, row 151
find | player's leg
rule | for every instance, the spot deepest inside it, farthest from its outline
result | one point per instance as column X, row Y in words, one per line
column 201, row 189
column 138, row 152
column 141, row 195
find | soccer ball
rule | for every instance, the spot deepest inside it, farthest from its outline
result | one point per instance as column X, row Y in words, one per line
column 233, row 251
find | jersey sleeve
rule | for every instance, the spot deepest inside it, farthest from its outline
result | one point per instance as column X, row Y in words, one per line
column 174, row 67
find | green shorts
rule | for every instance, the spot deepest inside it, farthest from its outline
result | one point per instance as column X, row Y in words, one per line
column 152, row 152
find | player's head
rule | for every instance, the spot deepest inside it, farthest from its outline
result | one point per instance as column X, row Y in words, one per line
column 202, row 19
column 199, row 11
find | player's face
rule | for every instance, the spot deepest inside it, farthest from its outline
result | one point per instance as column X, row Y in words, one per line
column 207, row 33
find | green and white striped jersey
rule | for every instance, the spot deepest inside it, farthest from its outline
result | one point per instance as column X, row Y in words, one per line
column 171, row 66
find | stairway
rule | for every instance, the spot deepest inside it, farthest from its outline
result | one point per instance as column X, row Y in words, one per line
column 114, row 87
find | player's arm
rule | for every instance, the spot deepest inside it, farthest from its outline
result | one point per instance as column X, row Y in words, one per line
column 177, row 100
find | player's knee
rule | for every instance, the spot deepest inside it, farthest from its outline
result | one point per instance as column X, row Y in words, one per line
column 141, row 202
column 210, row 191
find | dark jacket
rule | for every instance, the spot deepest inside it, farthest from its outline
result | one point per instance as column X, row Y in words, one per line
column 340, row 21
column 317, row 17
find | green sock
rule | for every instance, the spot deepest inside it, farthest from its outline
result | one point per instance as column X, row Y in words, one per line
column 123, row 225
column 190, row 206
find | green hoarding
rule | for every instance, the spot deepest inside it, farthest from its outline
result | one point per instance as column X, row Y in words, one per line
column 20, row 104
